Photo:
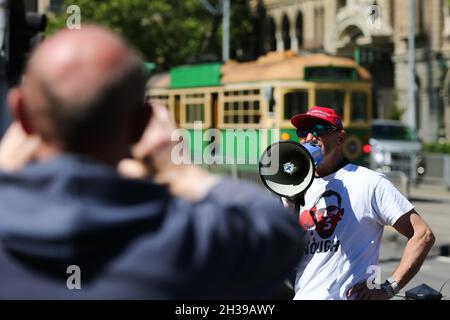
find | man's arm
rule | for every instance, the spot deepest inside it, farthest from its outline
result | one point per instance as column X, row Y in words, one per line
column 259, row 242
column 153, row 156
column 420, row 240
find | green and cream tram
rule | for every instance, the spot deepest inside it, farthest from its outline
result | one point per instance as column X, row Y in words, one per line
column 254, row 101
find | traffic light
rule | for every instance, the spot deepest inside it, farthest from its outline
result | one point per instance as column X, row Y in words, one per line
column 22, row 33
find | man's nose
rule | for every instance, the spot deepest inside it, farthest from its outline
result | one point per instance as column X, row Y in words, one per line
column 310, row 137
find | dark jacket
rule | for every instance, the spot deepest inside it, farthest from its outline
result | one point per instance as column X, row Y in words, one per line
column 131, row 239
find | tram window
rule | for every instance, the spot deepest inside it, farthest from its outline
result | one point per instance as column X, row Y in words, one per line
column 359, row 106
column 194, row 112
column 295, row 103
column 332, row 99
column 241, row 107
column 330, row 73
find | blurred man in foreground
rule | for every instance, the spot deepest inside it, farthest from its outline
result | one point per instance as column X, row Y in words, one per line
column 72, row 227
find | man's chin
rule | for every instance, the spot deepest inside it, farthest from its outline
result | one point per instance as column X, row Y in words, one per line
column 320, row 167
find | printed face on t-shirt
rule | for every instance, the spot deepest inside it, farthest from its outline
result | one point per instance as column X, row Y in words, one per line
column 323, row 217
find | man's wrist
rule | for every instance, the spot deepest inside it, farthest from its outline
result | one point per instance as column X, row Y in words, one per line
column 391, row 287
column 394, row 284
column 189, row 181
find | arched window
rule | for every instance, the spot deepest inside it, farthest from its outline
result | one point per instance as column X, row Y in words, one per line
column 285, row 27
column 299, row 29
column 341, row 3
column 270, row 43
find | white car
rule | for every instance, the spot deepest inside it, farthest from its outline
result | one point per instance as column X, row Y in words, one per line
column 396, row 147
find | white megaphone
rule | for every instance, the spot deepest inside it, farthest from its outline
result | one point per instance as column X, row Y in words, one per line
column 287, row 168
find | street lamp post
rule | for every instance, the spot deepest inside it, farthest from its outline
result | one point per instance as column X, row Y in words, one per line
column 226, row 30
column 225, row 12
column 411, row 65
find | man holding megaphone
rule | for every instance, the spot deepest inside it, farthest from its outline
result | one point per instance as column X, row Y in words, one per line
column 343, row 212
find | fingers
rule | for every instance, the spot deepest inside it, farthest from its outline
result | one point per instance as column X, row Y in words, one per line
column 133, row 169
column 157, row 134
column 361, row 292
column 356, row 291
column 289, row 204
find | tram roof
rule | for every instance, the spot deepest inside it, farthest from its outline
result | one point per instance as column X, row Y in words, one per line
column 285, row 65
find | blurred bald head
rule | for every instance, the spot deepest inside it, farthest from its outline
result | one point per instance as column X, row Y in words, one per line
column 83, row 88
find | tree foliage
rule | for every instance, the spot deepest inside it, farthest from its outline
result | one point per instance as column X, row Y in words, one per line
column 167, row 32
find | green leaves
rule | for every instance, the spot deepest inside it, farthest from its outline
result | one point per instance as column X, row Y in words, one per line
column 167, row 32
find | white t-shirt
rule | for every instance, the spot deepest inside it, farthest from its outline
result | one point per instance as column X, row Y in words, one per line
column 350, row 208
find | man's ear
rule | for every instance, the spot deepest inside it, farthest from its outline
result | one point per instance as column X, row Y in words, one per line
column 17, row 107
column 341, row 137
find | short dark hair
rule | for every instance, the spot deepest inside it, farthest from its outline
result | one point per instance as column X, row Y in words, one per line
column 330, row 193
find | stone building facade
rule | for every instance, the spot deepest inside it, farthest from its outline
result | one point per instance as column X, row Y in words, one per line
column 375, row 32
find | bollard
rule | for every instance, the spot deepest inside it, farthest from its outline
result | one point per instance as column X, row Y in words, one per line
column 400, row 180
column 447, row 171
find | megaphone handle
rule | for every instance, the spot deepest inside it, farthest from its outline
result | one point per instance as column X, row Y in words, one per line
column 299, row 201
column 297, row 209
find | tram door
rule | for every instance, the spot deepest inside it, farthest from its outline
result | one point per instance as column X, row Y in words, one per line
column 214, row 120
column 176, row 109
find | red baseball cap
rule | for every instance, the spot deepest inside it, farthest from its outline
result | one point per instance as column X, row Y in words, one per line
column 323, row 114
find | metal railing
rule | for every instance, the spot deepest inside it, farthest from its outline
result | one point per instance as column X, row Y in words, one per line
column 437, row 173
